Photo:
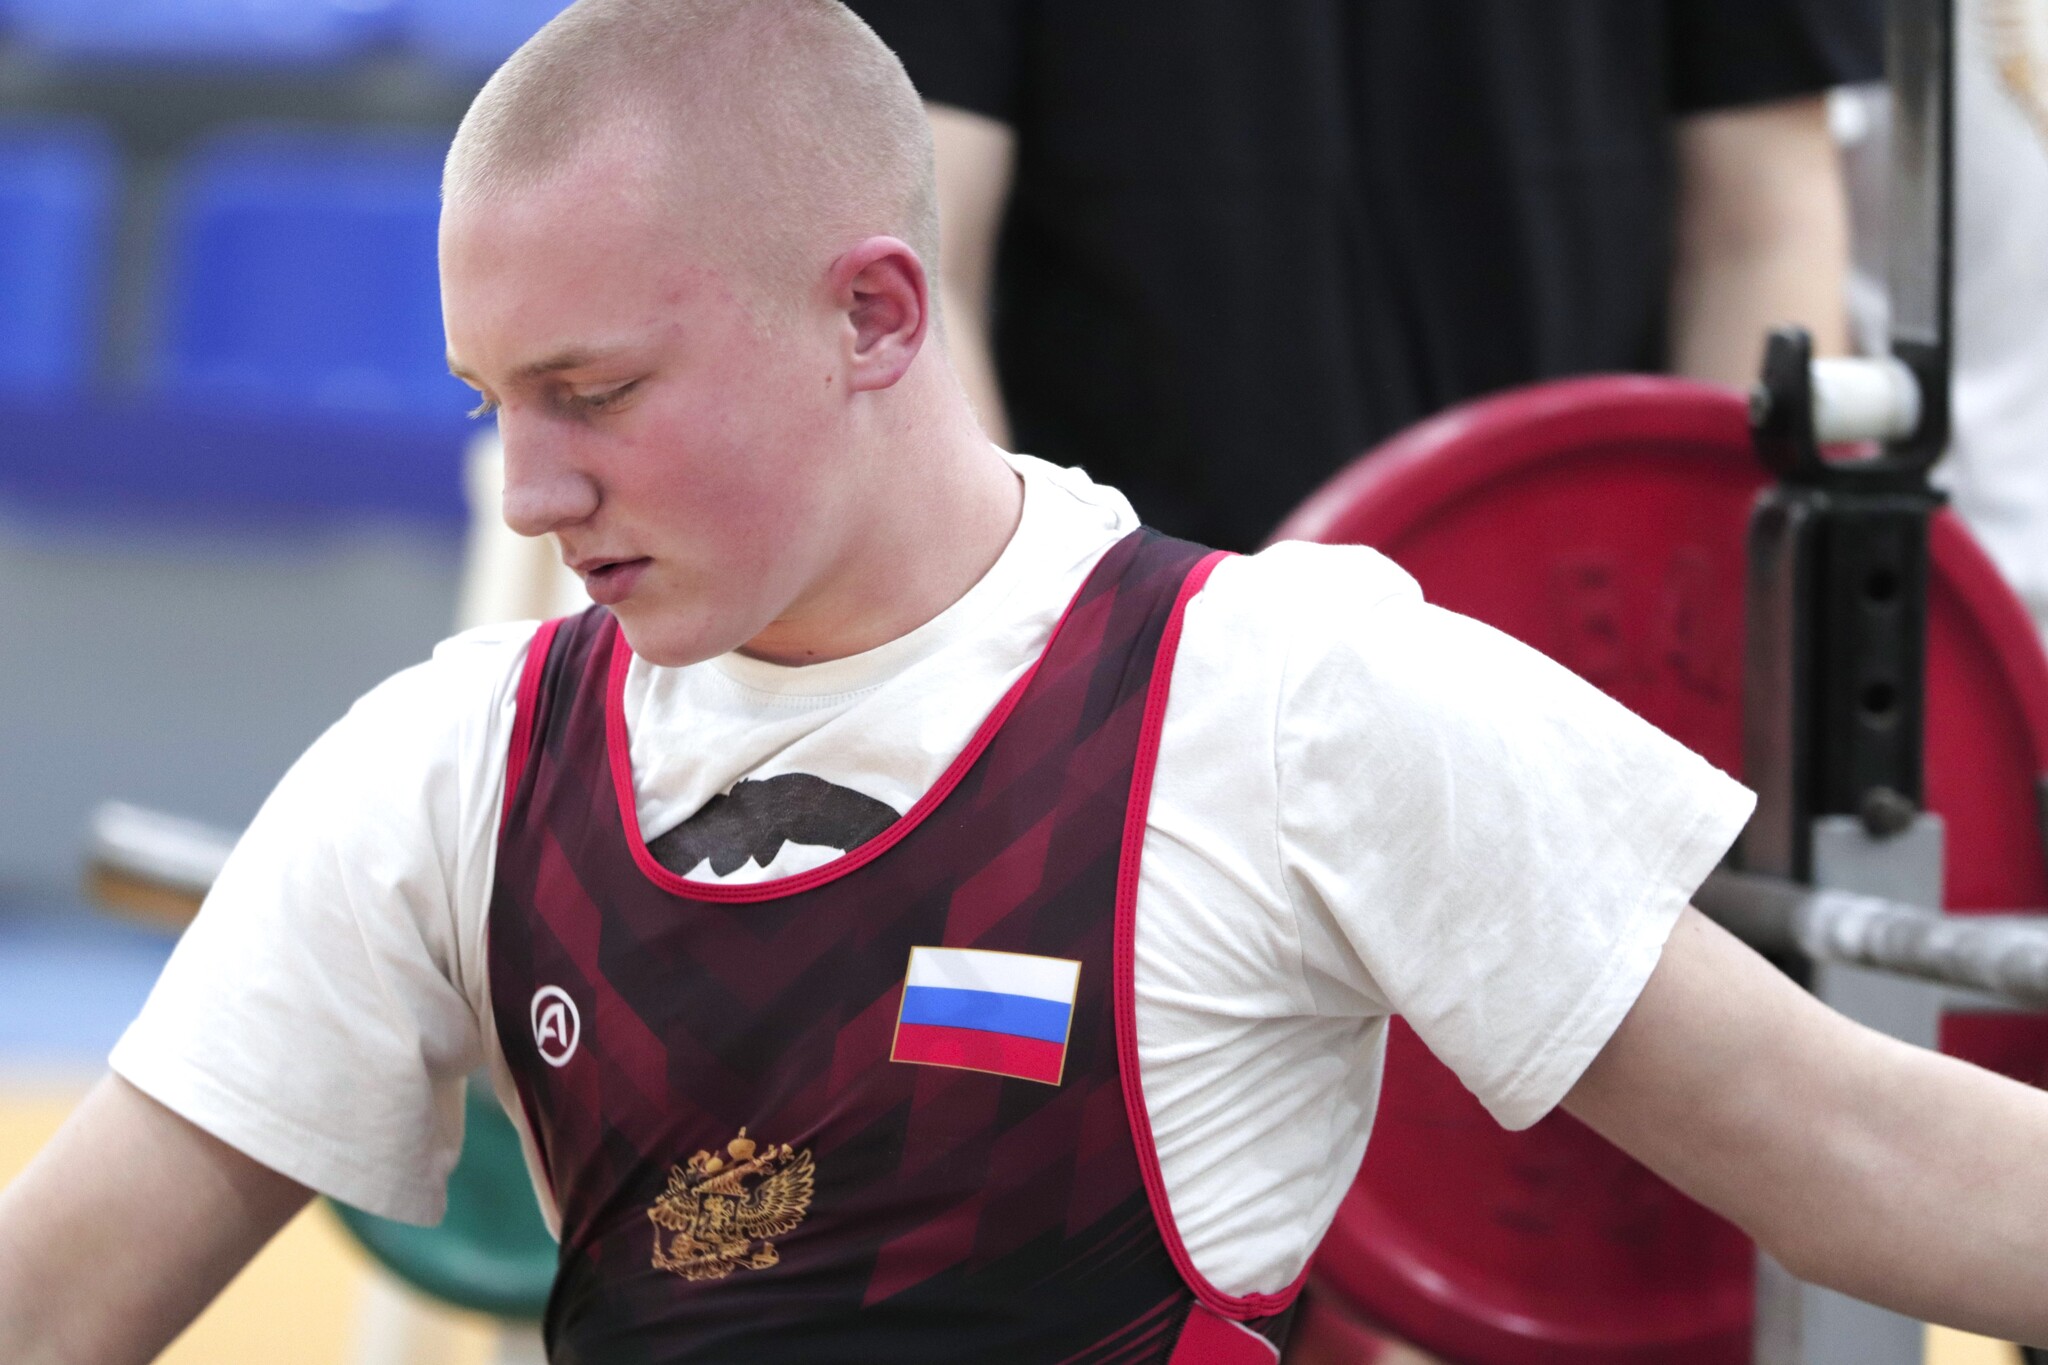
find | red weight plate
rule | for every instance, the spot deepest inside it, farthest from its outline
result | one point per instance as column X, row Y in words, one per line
column 1325, row 1333
column 1602, row 521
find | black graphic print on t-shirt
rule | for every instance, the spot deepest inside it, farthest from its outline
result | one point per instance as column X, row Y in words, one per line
column 755, row 819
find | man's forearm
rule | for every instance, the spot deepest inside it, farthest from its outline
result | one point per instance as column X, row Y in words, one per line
column 1899, row 1176
column 1724, row 303
column 1762, row 237
column 1933, row 1198
column 976, row 159
column 967, row 343
column 123, row 1228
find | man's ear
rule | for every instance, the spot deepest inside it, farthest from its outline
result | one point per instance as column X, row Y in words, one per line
column 881, row 286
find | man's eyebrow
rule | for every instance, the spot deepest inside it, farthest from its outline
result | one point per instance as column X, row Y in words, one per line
column 572, row 358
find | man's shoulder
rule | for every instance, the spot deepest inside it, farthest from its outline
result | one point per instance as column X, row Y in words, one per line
column 1297, row 588
column 472, row 667
column 484, row 646
column 1320, row 632
column 1264, row 621
column 462, row 693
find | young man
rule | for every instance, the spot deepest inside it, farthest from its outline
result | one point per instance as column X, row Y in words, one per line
column 925, row 917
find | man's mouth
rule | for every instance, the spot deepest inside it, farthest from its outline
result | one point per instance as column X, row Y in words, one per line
column 609, row 581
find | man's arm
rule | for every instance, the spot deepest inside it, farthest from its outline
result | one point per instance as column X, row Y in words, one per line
column 1879, row 1169
column 1762, row 236
column 976, row 161
column 124, row 1228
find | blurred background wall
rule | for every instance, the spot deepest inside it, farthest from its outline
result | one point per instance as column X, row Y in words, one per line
column 230, row 493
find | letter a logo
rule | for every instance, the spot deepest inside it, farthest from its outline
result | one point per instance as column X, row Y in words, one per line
column 556, row 1025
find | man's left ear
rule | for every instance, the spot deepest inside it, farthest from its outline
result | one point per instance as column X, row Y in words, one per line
column 881, row 284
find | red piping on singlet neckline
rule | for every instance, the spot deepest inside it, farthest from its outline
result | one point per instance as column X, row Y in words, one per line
column 622, row 784
column 1135, row 814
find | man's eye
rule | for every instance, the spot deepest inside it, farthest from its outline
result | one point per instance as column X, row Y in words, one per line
column 598, row 402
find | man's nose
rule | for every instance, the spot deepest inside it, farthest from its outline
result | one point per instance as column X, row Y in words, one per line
column 544, row 489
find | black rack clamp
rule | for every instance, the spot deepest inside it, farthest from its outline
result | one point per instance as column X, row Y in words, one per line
column 1834, row 680
column 1838, row 550
column 1835, row 668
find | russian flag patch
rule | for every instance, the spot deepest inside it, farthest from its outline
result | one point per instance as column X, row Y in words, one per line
column 1006, row 1013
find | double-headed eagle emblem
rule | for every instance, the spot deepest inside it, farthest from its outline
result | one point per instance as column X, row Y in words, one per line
column 719, row 1212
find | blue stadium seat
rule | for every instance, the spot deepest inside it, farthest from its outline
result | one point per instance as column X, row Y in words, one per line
column 472, row 35
column 301, row 274
column 288, row 32
column 58, row 185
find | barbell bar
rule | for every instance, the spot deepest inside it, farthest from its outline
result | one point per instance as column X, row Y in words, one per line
column 2003, row 955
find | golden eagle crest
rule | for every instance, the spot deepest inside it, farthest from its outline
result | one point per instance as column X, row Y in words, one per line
column 715, row 1210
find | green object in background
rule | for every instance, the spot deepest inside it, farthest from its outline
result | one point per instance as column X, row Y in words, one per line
column 492, row 1253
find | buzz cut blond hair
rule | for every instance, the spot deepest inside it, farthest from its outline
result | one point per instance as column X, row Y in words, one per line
column 798, row 121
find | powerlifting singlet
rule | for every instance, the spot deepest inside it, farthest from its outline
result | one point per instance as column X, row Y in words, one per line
column 885, row 1112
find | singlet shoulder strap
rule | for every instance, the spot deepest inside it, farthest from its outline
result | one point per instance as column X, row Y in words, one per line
column 526, row 704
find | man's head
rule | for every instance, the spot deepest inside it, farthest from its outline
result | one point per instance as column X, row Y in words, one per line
column 683, row 249
column 789, row 115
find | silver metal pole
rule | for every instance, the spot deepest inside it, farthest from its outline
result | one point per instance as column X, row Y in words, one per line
column 2004, row 955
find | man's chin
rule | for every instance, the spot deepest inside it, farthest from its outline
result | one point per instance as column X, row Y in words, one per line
column 671, row 643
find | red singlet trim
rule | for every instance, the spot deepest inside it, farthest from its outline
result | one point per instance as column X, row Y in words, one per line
column 528, row 698
column 526, row 702
column 622, row 784
column 1230, row 1306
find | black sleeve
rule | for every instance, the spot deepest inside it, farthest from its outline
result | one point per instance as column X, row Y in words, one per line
column 1732, row 52
column 960, row 52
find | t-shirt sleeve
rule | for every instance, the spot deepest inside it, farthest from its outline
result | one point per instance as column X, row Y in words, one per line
column 1726, row 53
column 321, row 1013
column 1497, row 848
column 966, row 53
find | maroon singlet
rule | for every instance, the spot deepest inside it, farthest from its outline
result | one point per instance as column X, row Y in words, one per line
column 744, row 1175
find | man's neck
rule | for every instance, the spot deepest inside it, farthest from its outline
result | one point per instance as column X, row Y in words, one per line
column 933, row 525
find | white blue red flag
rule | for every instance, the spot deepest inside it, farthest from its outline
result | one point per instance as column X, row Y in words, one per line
column 1007, row 1013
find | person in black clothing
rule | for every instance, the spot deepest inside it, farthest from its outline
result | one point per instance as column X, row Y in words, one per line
column 1226, row 245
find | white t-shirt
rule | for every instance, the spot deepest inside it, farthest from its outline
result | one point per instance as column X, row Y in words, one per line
column 1363, row 806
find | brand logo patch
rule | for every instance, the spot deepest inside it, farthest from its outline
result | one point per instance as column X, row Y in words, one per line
column 557, row 1028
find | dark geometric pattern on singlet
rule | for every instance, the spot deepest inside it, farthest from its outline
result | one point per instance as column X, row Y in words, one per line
column 952, row 1215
